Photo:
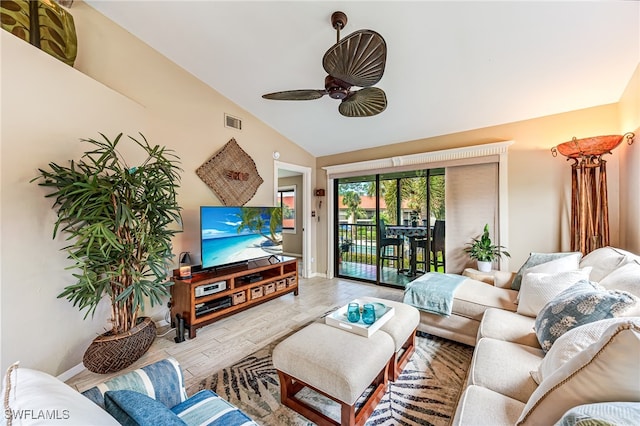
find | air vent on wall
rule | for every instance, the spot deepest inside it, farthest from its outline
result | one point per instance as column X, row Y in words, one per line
column 233, row 122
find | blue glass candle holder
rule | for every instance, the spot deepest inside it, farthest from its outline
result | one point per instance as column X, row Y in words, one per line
column 368, row 314
column 353, row 312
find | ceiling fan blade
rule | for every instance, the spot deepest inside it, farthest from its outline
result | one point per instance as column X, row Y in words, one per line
column 296, row 95
column 359, row 58
column 364, row 103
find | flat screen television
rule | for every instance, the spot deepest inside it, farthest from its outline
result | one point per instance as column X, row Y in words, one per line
column 232, row 235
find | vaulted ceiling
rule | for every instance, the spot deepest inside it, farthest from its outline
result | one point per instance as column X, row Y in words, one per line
column 451, row 66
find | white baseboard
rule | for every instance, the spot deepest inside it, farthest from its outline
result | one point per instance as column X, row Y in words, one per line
column 71, row 372
column 292, row 254
column 318, row 274
column 80, row 367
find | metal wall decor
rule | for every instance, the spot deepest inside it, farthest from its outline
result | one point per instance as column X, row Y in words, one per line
column 589, row 204
column 232, row 175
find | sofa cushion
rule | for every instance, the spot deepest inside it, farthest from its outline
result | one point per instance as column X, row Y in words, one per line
column 626, row 278
column 537, row 259
column 481, row 406
column 162, row 380
column 538, row 289
column 505, row 367
column 510, row 326
column 132, row 408
column 582, row 303
column 605, row 371
column 573, row 342
column 602, row 413
column 500, row 279
column 40, row 398
column 207, row 408
column 472, row 298
column 606, row 260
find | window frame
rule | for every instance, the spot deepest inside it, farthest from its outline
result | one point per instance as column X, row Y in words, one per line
column 288, row 189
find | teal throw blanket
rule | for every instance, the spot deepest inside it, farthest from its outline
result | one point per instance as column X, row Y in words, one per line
column 433, row 292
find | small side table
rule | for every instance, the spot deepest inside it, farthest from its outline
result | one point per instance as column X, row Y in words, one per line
column 496, row 278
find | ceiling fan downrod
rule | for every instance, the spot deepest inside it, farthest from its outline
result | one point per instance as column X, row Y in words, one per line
column 338, row 21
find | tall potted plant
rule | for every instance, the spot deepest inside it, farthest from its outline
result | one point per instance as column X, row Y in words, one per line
column 117, row 218
column 484, row 251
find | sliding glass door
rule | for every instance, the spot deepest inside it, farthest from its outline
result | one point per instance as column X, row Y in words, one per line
column 384, row 225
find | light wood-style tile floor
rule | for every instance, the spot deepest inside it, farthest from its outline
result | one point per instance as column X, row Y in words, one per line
column 224, row 342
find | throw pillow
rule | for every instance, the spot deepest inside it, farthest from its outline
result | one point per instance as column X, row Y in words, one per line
column 605, row 371
column 537, row 259
column 602, row 413
column 132, row 408
column 538, row 289
column 32, row 397
column 582, row 303
column 605, row 260
column 162, row 380
column 207, row 408
column 573, row 342
column 626, row 277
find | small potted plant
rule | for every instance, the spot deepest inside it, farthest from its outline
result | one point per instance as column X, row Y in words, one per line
column 484, row 251
column 345, row 247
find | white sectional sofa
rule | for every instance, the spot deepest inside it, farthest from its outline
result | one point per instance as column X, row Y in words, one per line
column 589, row 367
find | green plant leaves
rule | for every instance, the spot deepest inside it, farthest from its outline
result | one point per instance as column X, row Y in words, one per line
column 117, row 219
column 483, row 249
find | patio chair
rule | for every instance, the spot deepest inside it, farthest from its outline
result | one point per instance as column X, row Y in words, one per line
column 437, row 245
column 396, row 245
column 431, row 247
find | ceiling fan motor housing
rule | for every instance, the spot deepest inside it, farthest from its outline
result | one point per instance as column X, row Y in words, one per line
column 336, row 89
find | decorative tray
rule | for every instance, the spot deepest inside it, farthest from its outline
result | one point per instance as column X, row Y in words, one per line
column 338, row 319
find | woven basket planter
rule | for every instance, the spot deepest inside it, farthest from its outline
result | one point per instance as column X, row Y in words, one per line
column 109, row 353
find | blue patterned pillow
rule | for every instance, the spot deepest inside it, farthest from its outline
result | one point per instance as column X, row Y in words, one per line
column 207, row 408
column 162, row 381
column 582, row 303
column 132, row 408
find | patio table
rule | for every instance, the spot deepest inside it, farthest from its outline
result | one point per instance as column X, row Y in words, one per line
column 412, row 233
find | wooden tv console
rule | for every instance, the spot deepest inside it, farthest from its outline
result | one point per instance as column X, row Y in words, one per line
column 246, row 285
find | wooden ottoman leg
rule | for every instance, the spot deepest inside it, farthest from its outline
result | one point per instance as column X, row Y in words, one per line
column 379, row 389
column 289, row 387
column 397, row 365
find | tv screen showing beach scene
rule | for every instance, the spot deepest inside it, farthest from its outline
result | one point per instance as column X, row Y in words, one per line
column 231, row 235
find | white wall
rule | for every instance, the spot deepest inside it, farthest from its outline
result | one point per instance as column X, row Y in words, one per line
column 630, row 166
column 118, row 85
column 46, row 108
column 539, row 185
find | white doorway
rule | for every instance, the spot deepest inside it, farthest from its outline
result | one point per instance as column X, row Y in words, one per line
column 285, row 170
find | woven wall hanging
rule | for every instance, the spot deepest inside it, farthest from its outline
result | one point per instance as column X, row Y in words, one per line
column 232, row 175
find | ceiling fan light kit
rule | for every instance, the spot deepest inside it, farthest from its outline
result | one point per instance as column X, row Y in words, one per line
column 356, row 61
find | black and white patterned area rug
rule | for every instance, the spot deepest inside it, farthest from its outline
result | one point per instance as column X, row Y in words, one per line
column 426, row 392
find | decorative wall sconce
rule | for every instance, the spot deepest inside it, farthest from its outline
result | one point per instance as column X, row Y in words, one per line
column 589, row 204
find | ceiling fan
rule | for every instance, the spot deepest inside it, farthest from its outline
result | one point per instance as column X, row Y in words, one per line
column 357, row 61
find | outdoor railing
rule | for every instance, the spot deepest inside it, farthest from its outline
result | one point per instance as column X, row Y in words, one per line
column 357, row 243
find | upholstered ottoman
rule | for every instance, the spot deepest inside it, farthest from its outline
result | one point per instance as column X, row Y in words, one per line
column 402, row 328
column 336, row 363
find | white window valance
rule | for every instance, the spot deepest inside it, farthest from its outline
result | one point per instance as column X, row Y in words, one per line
column 477, row 154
